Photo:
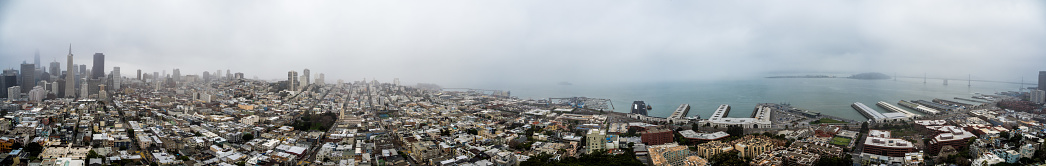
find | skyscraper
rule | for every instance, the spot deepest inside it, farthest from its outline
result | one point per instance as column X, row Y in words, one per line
column 55, row 69
column 117, row 79
column 176, row 74
column 70, row 72
column 139, row 74
column 36, row 59
column 319, row 79
column 1042, row 80
column 206, row 76
column 98, row 70
column 307, row 77
column 292, row 81
column 8, row 79
column 81, row 75
column 28, row 77
column 1038, row 96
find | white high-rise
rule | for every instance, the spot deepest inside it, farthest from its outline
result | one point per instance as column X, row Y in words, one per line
column 1038, row 96
column 70, row 73
column 117, row 79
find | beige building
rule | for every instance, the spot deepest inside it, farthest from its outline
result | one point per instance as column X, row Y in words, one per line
column 596, row 140
column 751, row 146
column 713, row 148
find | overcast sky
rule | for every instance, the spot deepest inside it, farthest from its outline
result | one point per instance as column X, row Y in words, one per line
column 502, row 42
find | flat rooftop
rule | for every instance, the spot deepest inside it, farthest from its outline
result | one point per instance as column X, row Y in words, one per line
column 691, row 134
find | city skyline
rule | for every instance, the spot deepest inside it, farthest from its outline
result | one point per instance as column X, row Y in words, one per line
column 528, row 42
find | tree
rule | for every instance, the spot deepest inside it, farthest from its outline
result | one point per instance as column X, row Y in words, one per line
column 727, row 158
column 864, row 127
column 92, row 154
column 34, row 149
column 735, row 130
column 829, row 161
column 247, row 137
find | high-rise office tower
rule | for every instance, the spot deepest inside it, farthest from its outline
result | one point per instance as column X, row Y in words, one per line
column 1038, row 96
column 28, row 77
column 176, row 74
column 396, row 81
column 319, row 79
column 117, row 79
column 156, row 76
column 81, row 76
column 228, row 74
column 292, row 81
column 83, row 89
column 98, row 70
column 55, row 69
column 8, row 79
column 1042, row 80
column 36, row 60
column 306, row 76
column 206, row 76
column 238, row 76
column 139, row 74
column 70, row 74
column 14, row 92
column 218, row 75
column 92, row 85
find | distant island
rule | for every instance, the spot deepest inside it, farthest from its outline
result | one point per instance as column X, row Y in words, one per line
column 870, row 76
column 862, row 76
column 805, row 76
column 565, row 83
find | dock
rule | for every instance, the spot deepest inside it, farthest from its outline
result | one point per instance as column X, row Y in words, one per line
column 893, row 108
column 680, row 112
column 970, row 100
column 937, row 106
column 917, row 107
column 952, row 102
column 873, row 115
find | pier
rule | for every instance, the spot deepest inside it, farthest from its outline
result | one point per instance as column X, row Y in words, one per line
column 917, row 107
column 680, row 112
column 937, row 106
column 875, row 116
column 893, row 108
column 952, row 102
column 970, row 100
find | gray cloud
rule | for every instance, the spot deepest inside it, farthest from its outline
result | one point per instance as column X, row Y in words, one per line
column 525, row 42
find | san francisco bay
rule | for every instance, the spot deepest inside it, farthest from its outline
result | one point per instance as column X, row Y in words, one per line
column 830, row 96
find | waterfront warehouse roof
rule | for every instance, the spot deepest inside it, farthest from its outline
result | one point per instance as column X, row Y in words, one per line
column 691, row 134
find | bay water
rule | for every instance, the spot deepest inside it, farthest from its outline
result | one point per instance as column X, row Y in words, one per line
column 830, row 96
